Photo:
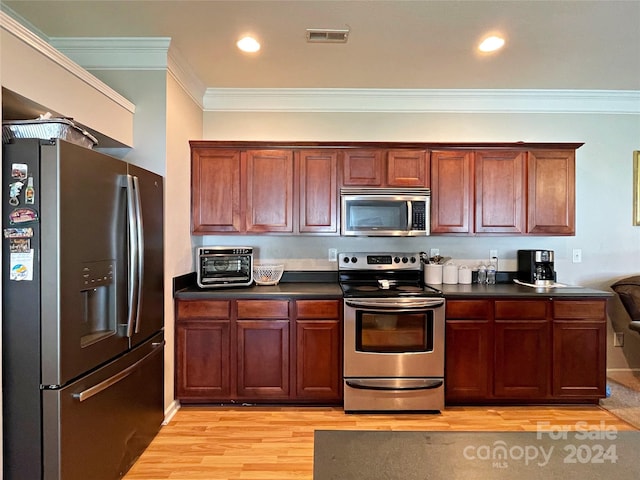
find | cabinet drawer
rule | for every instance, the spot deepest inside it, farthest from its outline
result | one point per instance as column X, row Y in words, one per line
column 318, row 308
column 521, row 309
column 263, row 309
column 468, row 309
column 581, row 309
column 188, row 309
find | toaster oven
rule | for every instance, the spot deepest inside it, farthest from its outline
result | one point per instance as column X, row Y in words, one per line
column 224, row 266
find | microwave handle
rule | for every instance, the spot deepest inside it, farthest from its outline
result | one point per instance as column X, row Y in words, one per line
column 409, row 215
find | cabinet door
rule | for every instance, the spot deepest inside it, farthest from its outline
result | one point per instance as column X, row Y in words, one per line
column 469, row 355
column 263, row 359
column 269, row 192
column 318, row 372
column 500, row 182
column 469, row 352
column 522, row 349
column 203, row 359
column 551, row 192
column 451, row 191
column 318, row 191
column 215, row 191
column 262, row 332
column 407, row 168
column 362, row 168
column 579, row 348
column 319, row 350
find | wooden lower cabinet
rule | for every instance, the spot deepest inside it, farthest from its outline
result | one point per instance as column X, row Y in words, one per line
column 258, row 351
column 469, row 350
column 203, row 359
column 263, row 359
column 522, row 349
column 579, row 348
column 525, row 351
column 319, row 350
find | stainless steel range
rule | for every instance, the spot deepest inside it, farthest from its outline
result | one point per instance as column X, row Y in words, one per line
column 393, row 334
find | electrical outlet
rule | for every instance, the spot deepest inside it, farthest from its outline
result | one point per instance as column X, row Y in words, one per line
column 618, row 339
column 493, row 253
column 577, row 255
column 333, row 255
column 434, row 252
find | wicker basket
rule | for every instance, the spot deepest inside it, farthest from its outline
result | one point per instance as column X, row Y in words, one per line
column 267, row 274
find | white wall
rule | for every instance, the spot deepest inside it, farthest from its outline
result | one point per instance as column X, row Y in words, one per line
column 610, row 244
column 184, row 123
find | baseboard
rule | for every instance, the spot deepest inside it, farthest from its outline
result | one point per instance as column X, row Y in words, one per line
column 171, row 410
column 630, row 370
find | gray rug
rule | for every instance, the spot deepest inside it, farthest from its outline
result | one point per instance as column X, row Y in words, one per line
column 623, row 402
column 385, row 455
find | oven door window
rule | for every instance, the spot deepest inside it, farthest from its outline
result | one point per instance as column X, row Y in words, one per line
column 388, row 332
column 226, row 267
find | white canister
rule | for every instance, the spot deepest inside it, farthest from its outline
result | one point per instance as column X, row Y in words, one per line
column 464, row 275
column 433, row 273
column 450, row 274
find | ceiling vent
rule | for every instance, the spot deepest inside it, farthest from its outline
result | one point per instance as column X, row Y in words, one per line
column 327, row 35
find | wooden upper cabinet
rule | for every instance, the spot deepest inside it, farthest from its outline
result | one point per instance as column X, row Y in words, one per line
column 482, row 189
column 551, row 191
column 407, row 168
column 269, row 192
column 500, row 191
column 318, row 191
column 362, row 168
column 215, row 191
column 451, row 191
column 385, row 168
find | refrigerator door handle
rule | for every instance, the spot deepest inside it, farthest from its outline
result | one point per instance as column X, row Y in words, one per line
column 140, row 251
column 136, row 257
column 132, row 216
column 102, row 386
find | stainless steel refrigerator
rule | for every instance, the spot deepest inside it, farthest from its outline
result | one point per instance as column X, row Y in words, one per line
column 82, row 338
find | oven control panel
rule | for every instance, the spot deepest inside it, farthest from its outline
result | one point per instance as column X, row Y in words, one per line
column 379, row 261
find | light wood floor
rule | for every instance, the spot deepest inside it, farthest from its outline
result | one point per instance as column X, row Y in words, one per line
column 260, row 443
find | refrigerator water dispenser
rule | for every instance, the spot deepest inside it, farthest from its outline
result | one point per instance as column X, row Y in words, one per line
column 98, row 302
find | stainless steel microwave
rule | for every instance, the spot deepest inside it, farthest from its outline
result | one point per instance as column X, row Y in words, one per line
column 385, row 212
column 224, row 266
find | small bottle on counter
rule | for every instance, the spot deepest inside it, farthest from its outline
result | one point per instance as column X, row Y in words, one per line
column 491, row 275
column 482, row 274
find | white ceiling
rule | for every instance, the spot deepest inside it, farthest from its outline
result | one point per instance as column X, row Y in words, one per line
column 566, row 44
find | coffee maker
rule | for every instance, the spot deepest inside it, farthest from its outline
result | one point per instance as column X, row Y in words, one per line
column 536, row 267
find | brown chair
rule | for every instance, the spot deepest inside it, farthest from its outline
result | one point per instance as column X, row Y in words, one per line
column 628, row 289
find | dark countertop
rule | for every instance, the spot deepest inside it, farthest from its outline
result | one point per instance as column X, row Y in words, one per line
column 515, row 290
column 282, row 290
column 325, row 285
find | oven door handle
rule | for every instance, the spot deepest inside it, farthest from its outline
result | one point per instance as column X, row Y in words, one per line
column 400, row 307
column 395, row 384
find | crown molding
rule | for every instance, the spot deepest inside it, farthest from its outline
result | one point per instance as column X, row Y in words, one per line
column 186, row 78
column 25, row 35
column 132, row 53
column 421, row 101
column 117, row 53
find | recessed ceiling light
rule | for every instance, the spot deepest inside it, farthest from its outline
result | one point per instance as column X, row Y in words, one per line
column 491, row 44
column 248, row 44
